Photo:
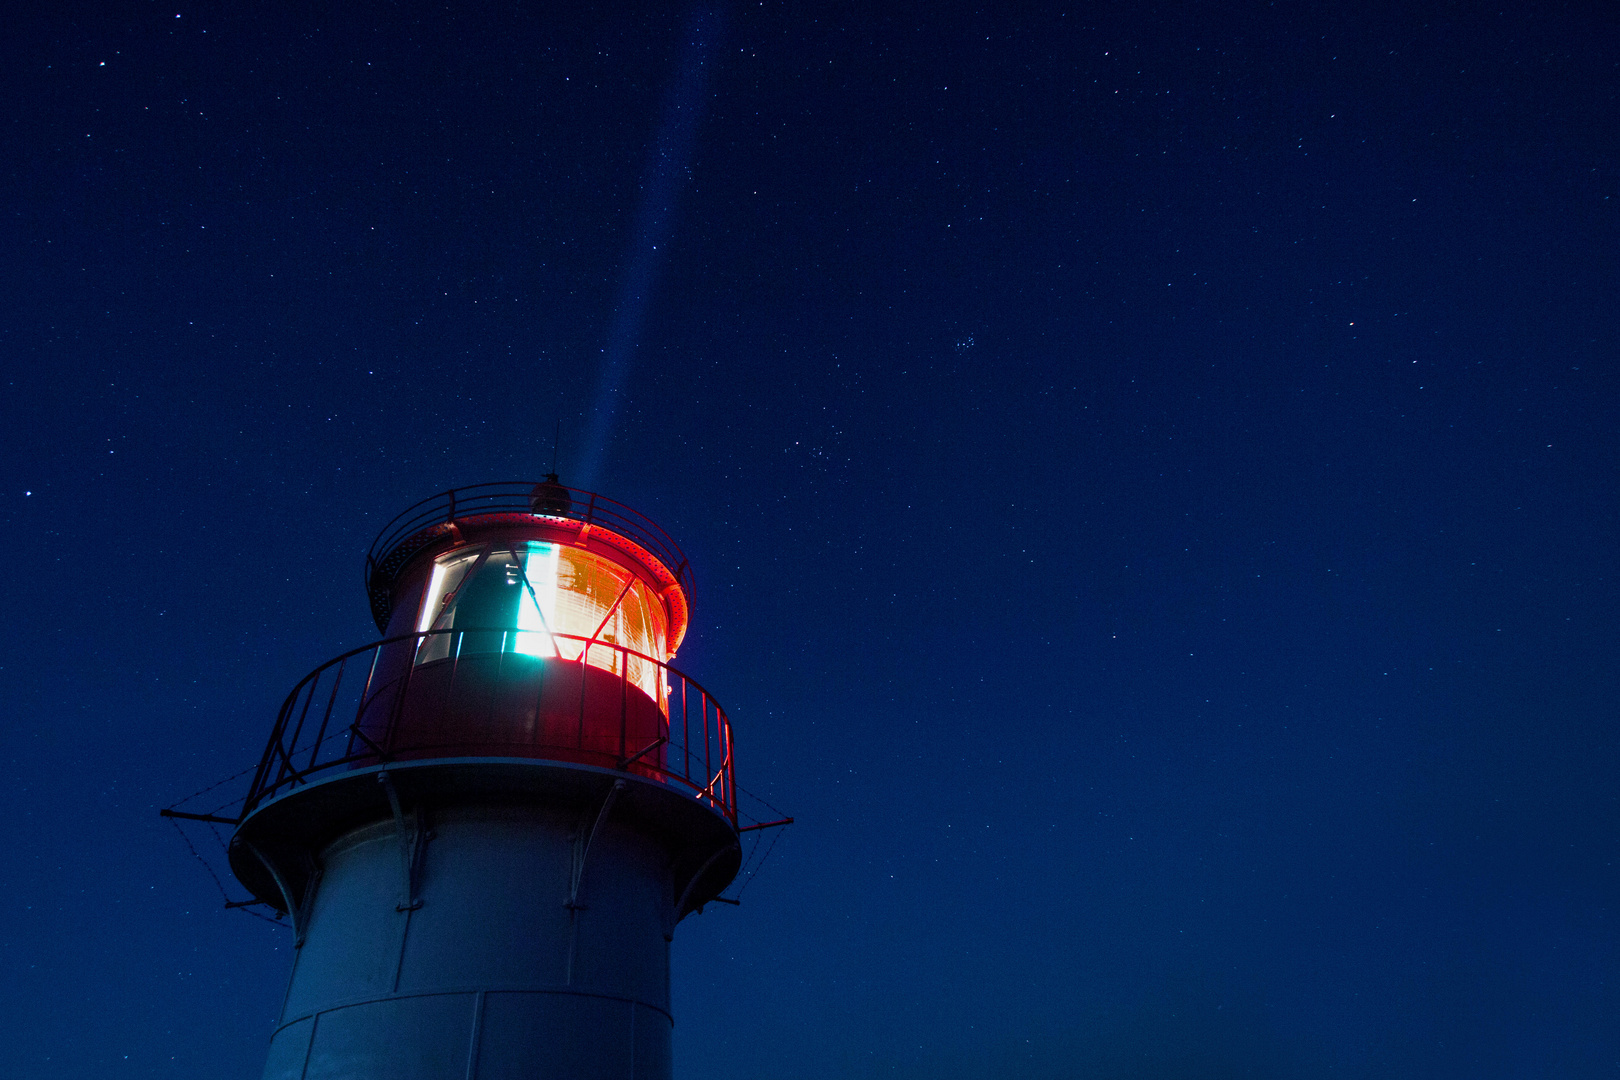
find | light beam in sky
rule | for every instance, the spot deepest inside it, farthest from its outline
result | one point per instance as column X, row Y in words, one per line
column 660, row 191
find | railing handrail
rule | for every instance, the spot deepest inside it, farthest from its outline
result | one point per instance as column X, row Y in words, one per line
column 716, row 786
column 594, row 642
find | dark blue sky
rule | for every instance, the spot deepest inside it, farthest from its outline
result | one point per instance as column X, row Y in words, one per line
column 1151, row 477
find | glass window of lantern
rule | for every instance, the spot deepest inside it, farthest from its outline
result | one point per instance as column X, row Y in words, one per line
column 474, row 593
column 543, row 600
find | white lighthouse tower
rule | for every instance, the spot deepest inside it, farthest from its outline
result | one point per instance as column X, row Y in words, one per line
column 486, row 826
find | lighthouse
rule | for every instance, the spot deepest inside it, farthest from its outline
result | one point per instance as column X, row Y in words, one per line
column 485, row 827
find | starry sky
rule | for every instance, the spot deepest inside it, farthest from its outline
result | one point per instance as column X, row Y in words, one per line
column 1150, row 473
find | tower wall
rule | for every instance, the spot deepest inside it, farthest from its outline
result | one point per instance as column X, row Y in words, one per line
column 488, row 972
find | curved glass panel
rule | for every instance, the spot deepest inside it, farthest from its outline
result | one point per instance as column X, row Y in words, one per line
column 527, row 597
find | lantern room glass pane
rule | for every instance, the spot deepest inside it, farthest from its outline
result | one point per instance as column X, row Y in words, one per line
column 543, row 600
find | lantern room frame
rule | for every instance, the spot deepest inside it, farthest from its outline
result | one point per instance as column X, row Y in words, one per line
column 582, row 518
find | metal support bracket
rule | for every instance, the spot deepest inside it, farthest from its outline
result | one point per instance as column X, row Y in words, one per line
column 211, row 818
column 354, row 729
column 686, row 894
column 312, row 883
column 299, row 911
column 410, row 844
column 583, row 850
column 765, row 825
column 625, row 763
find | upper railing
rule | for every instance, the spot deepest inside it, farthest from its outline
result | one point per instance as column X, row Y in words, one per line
column 501, row 693
column 426, row 522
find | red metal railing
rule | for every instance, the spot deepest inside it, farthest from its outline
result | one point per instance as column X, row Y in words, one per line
column 502, row 693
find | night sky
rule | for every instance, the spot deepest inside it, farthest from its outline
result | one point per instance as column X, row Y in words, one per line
column 1150, row 473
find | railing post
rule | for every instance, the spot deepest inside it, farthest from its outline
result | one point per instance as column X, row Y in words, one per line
column 365, row 693
column 495, row 690
column 584, row 662
column 404, row 689
column 292, row 745
column 320, row 733
column 662, row 675
column 540, row 697
column 261, row 773
column 731, row 770
column 686, row 733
